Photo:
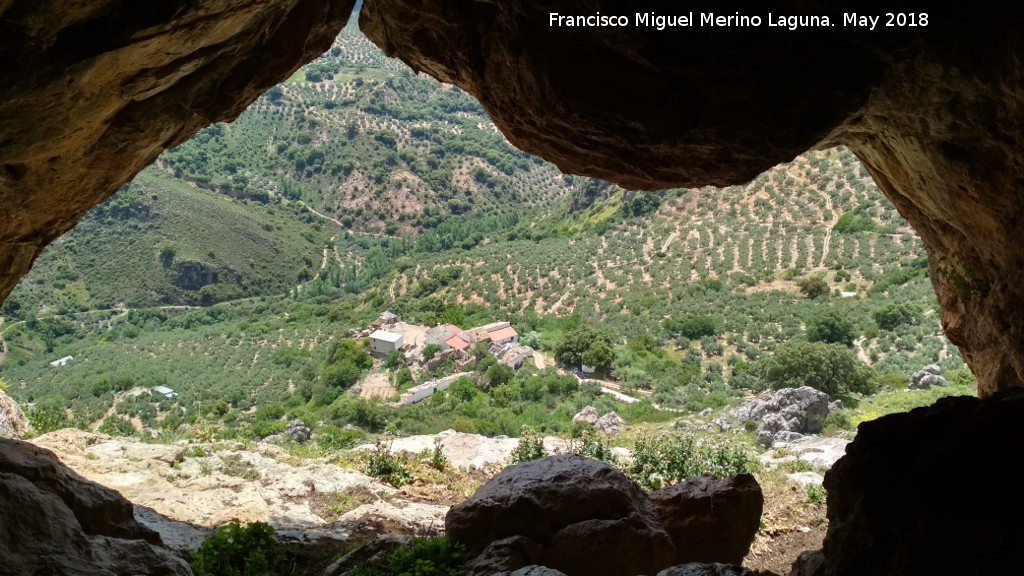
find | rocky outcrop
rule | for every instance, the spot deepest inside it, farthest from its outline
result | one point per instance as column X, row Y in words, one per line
column 56, row 522
column 588, row 414
column 820, row 452
column 711, row 520
column 932, row 491
column 785, row 415
column 93, row 92
column 373, row 554
column 263, row 485
column 13, row 423
column 925, row 378
column 571, row 513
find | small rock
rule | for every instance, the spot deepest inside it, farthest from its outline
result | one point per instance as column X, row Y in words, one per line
column 705, row 412
column 609, row 423
column 786, row 436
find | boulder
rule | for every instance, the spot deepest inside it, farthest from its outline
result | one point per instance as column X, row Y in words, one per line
column 56, row 522
column 297, row 431
column 609, row 423
column 932, row 491
column 797, row 410
column 588, row 415
column 711, row 520
column 927, row 377
column 567, row 512
column 13, row 423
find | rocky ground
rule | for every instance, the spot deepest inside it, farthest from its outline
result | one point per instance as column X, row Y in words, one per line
column 316, row 501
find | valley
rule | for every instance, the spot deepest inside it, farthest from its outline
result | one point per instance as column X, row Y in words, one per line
column 247, row 271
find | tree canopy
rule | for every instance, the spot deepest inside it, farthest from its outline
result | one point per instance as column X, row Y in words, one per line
column 571, row 348
column 831, row 368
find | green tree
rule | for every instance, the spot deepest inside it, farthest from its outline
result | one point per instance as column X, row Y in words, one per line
column 831, row 368
column 431, row 350
column 498, row 374
column 831, row 326
column 531, row 339
column 813, row 287
column 599, row 355
column 894, row 315
column 571, row 348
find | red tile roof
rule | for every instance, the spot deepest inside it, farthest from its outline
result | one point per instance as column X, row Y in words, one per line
column 457, row 343
column 453, row 328
column 503, row 334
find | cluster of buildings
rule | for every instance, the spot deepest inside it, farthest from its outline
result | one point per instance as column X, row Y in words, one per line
column 501, row 339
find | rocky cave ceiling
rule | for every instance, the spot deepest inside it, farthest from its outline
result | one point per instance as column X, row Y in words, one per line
column 93, row 92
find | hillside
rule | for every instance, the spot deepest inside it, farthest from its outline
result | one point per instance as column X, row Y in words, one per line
column 239, row 268
column 359, row 138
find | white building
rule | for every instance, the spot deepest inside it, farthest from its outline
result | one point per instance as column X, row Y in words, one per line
column 428, row 389
column 167, row 392
column 383, row 342
column 62, row 361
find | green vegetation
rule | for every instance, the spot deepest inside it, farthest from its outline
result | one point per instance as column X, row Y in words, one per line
column 234, row 269
column 237, row 551
column 427, row 557
column 665, row 460
column 831, row 368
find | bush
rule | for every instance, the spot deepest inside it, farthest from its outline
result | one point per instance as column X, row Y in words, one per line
column 431, row 350
column 426, row 557
column 892, row 316
column 388, row 467
column 237, row 551
column 334, row 438
column 667, row 460
column 530, row 447
column 592, row 444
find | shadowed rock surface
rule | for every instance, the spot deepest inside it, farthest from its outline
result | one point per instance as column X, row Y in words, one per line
column 906, row 499
column 56, row 522
column 567, row 512
column 711, row 520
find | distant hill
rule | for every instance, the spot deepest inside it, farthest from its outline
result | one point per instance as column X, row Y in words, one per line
column 358, row 137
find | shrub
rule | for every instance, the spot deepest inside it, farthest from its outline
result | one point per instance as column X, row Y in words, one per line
column 388, row 467
column 815, row 494
column 426, row 557
column 334, row 438
column 592, row 444
column 667, row 460
column 431, row 350
column 530, row 447
column 813, row 287
column 237, row 551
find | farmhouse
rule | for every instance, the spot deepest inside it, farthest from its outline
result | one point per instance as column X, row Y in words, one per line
column 383, row 342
